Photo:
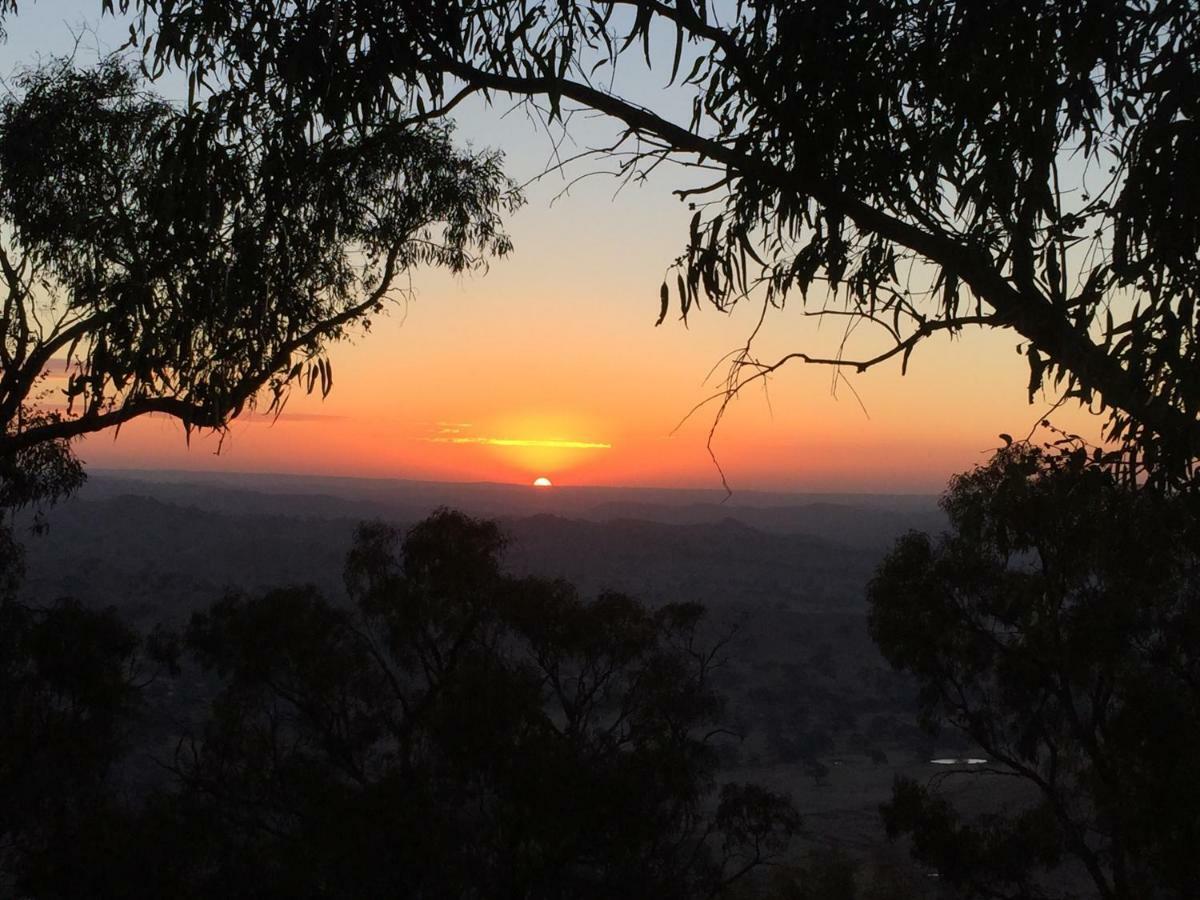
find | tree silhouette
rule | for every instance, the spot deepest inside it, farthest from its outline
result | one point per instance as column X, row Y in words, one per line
column 159, row 261
column 929, row 166
column 456, row 733
column 70, row 682
column 1056, row 626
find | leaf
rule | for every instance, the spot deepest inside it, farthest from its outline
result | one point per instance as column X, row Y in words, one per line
column 678, row 53
column 1037, row 366
column 694, row 230
column 664, row 297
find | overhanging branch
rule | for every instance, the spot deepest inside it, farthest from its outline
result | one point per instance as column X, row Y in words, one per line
column 1027, row 311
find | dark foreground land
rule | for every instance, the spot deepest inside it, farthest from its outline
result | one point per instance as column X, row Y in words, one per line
column 813, row 710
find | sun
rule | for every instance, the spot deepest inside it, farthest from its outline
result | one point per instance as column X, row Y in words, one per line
column 543, row 482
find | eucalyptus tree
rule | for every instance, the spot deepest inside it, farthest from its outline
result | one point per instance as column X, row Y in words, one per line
column 912, row 167
column 1055, row 625
column 157, row 260
column 154, row 261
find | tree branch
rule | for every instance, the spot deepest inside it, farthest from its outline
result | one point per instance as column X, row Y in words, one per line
column 1028, row 312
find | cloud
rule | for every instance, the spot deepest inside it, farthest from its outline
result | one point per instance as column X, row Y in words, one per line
column 522, row 442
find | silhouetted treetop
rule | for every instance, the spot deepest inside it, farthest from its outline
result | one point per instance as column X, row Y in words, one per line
column 1056, row 625
column 928, row 166
column 69, row 679
column 456, row 733
column 158, row 262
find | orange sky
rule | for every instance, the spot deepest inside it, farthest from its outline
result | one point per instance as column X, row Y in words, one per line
column 557, row 344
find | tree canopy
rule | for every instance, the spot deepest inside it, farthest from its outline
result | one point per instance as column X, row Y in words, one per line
column 156, row 261
column 1056, row 626
column 914, row 167
column 69, row 690
column 455, row 733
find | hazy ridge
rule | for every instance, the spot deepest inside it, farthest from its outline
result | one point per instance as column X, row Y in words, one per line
column 159, row 544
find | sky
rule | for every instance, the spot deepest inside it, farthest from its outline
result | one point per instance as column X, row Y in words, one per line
column 549, row 363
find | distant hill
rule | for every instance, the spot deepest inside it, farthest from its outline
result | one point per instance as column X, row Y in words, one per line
column 865, row 523
column 868, row 519
column 723, row 563
column 160, row 560
column 160, row 548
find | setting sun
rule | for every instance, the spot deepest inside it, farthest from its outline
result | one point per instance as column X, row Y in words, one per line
column 542, row 482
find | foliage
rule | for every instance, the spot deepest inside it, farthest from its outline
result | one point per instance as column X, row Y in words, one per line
column 824, row 876
column 832, row 874
column 929, row 165
column 1057, row 626
column 457, row 733
column 157, row 261
column 69, row 688
column 42, row 473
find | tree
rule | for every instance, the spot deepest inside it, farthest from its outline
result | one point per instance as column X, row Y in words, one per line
column 931, row 166
column 165, row 262
column 1056, row 626
column 829, row 875
column 456, row 733
column 70, row 681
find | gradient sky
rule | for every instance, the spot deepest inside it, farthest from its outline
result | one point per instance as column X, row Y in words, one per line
column 549, row 364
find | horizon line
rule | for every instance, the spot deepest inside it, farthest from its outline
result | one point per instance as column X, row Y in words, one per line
column 559, row 487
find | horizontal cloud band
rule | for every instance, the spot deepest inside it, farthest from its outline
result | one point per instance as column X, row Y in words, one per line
column 522, row 442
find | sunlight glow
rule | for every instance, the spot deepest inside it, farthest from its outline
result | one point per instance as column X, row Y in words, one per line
column 523, row 442
column 542, row 482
